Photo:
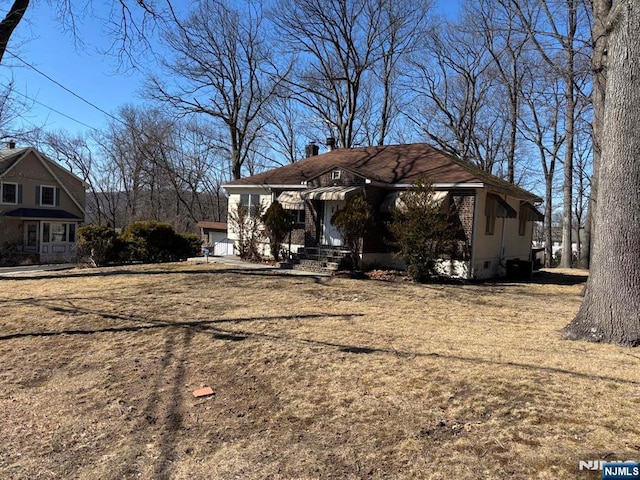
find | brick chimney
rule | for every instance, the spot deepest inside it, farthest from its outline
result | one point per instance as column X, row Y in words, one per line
column 331, row 143
column 11, row 144
column 311, row 150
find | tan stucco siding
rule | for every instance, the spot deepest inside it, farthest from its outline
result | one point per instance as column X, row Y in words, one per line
column 491, row 251
column 75, row 187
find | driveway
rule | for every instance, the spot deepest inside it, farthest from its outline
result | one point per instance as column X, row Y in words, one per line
column 32, row 269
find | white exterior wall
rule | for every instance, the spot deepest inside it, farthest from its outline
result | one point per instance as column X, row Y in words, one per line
column 234, row 201
column 491, row 252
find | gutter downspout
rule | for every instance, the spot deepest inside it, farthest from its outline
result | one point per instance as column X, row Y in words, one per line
column 474, row 235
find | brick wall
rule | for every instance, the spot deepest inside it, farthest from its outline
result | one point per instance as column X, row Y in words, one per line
column 465, row 206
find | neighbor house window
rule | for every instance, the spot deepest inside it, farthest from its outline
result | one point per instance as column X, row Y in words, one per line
column 10, row 193
column 47, row 195
column 251, row 202
column 58, row 232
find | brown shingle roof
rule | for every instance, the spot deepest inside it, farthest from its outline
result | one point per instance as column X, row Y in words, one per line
column 8, row 157
column 389, row 164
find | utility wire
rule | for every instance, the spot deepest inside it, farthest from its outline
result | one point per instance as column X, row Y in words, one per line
column 52, row 109
column 93, row 105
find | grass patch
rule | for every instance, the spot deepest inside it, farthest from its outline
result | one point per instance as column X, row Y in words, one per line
column 313, row 378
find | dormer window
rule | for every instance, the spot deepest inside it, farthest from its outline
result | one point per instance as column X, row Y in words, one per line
column 335, row 175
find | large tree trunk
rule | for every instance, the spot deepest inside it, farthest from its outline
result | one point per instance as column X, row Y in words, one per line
column 566, row 260
column 610, row 311
column 601, row 9
column 10, row 22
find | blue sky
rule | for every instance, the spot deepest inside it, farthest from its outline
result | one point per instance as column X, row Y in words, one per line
column 39, row 41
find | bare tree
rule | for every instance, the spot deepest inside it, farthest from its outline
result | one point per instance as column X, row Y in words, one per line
column 128, row 23
column 600, row 11
column 10, row 22
column 543, row 101
column 458, row 104
column 222, row 68
column 76, row 154
column 495, row 23
column 13, row 108
column 610, row 311
column 345, row 46
column 554, row 24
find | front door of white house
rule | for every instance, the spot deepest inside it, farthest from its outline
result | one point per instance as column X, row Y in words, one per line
column 330, row 234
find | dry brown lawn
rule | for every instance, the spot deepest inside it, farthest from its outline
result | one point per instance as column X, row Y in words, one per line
column 313, row 378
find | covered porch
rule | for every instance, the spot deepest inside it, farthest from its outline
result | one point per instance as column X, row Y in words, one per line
column 42, row 235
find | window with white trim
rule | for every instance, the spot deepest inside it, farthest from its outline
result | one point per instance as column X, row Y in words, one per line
column 58, row 232
column 335, row 175
column 47, row 196
column 299, row 216
column 10, row 193
column 251, row 201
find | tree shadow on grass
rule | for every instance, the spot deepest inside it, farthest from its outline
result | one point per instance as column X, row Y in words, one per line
column 543, row 277
column 250, row 271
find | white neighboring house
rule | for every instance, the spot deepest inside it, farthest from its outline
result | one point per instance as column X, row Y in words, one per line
column 214, row 238
column 497, row 217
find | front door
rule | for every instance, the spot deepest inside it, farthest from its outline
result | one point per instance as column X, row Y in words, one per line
column 31, row 236
column 330, row 234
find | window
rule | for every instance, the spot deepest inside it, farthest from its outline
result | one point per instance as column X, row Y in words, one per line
column 335, row 175
column 251, row 202
column 10, row 193
column 299, row 217
column 522, row 223
column 47, row 195
column 58, row 232
column 46, row 232
column 491, row 225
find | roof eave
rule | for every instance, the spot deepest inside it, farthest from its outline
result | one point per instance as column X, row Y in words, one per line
column 440, row 185
column 289, row 186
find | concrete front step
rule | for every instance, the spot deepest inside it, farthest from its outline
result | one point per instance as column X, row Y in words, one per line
column 314, row 266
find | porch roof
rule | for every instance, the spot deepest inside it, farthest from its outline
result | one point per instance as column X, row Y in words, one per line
column 330, row 193
column 497, row 207
column 394, row 200
column 46, row 213
column 531, row 213
column 291, row 200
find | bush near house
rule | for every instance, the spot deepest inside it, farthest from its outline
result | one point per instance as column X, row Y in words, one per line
column 247, row 223
column 422, row 233
column 100, row 245
column 353, row 221
column 277, row 224
column 147, row 242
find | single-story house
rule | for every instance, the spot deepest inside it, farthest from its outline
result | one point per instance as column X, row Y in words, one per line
column 214, row 238
column 41, row 206
column 497, row 217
